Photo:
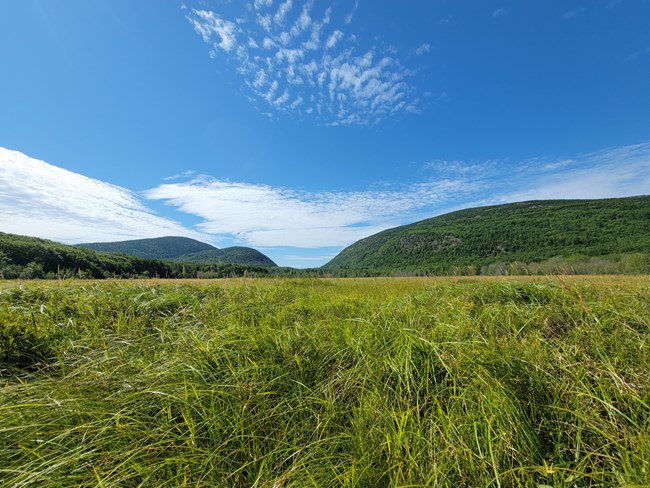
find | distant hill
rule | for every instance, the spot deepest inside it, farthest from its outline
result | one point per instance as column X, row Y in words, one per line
column 228, row 255
column 30, row 257
column 156, row 248
column 183, row 249
column 524, row 232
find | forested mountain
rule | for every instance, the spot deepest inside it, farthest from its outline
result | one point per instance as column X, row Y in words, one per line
column 156, row 248
column 228, row 255
column 30, row 257
column 470, row 241
column 183, row 249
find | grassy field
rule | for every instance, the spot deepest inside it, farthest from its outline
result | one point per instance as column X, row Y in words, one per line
column 476, row 382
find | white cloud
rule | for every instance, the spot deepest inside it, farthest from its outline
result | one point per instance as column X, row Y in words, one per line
column 314, row 60
column 42, row 200
column 333, row 39
column 260, row 79
column 297, row 103
column 265, row 216
column 349, row 17
column 282, row 99
column 185, row 174
column 208, row 25
column 304, row 20
column 500, row 12
column 258, row 4
column 282, row 12
column 423, row 49
column 614, row 172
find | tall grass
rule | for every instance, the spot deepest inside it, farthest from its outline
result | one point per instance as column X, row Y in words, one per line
column 364, row 383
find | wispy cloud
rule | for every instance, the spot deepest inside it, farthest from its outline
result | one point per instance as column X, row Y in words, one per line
column 333, row 39
column 349, row 17
column 294, row 59
column 636, row 55
column 183, row 175
column 42, row 200
column 265, row 216
column 614, row 172
column 423, row 49
column 214, row 30
column 500, row 12
column 572, row 14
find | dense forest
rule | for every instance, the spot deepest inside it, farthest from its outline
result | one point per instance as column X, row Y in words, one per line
column 169, row 247
column 609, row 235
column 184, row 250
column 30, row 257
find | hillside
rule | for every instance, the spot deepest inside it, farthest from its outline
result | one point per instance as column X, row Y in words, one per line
column 228, row 255
column 156, row 248
column 183, row 249
column 523, row 232
column 30, row 257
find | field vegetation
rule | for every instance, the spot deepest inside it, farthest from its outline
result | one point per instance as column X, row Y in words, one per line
column 534, row 382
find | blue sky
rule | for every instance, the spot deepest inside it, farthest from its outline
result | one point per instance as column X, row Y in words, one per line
column 298, row 127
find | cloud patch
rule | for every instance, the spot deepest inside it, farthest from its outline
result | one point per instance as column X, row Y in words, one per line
column 610, row 173
column 42, row 200
column 287, row 48
column 423, row 49
column 265, row 216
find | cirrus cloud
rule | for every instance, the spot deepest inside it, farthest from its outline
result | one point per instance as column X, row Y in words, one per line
column 42, row 200
column 266, row 216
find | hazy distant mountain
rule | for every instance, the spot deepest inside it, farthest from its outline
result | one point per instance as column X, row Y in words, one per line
column 183, row 249
column 156, row 248
column 524, row 232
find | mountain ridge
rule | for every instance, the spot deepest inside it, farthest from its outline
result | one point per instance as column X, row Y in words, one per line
column 183, row 249
column 28, row 257
column 166, row 247
column 523, row 231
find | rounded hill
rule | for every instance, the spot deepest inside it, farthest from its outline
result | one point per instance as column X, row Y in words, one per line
column 523, row 232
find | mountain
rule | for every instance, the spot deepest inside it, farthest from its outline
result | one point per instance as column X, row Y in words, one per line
column 30, row 257
column 183, row 249
column 518, row 232
column 156, row 248
column 228, row 255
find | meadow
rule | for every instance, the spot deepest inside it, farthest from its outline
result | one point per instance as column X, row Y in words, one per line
column 402, row 382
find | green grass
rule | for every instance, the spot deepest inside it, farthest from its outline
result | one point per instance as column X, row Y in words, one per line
column 295, row 383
